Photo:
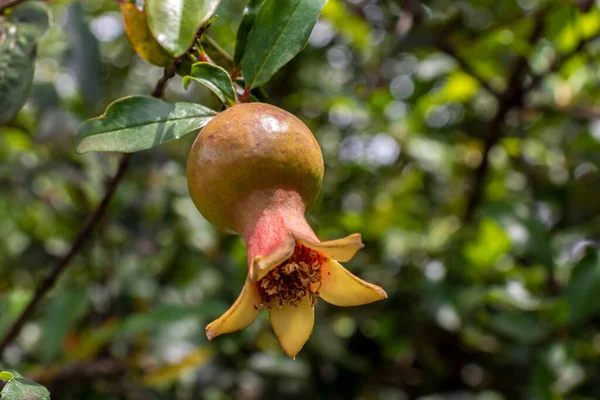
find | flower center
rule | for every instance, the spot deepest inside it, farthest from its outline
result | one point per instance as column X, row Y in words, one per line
column 290, row 282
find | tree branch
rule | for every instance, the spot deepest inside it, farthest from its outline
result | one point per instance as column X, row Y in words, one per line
column 444, row 46
column 82, row 236
column 510, row 98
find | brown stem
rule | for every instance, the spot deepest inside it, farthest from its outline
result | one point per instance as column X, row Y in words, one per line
column 234, row 74
column 83, row 235
column 246, row 95
column 4, row 4
column 213, row 43
column 168, row 73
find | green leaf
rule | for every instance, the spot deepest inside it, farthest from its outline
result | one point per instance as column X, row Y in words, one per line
column 6, row 376
column 280, row 31
column 19, row 388
column 250, row 13
column 83, row 57
column 140, row 122
column 215, row 78
column 583, row 289
column 174, row 23
column 491, row 244
column 140, row 37
column 521, row 327
column 14, row 301
column 18, row 35
column 64, row 310
column 31, row 18
column 258, row 94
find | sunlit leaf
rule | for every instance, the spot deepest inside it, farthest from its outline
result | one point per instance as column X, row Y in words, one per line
column 168, row 373
column 492, row 242
column 174, row 23
column 281, row 30
column 141, row 122
column 140, row 37
column 215, row 78
column 351, row 26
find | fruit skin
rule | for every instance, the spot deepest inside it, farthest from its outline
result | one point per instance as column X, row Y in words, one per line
column 250, row 149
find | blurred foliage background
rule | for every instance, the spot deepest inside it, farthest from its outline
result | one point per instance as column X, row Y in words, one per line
column 461, row 138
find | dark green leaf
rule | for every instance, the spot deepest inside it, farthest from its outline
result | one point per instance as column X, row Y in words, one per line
column 65, row 309
column 19, row 388
column 215, row 78
column 280, row 31
column 584, row 287
column 140, row 37
column 32, row 19
column 84, row 56
column 174, row 22
column 141, row 122
column 18, row 35
column 258, row 94
column 250, row 13
column 521, row 327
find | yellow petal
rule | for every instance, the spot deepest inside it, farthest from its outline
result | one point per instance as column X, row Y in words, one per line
column 292, row 325
column 240, row 315
column 262, row 265
column 341, row 288
column 340, row 249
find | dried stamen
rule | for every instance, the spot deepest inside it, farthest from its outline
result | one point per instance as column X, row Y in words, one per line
column 290, row 282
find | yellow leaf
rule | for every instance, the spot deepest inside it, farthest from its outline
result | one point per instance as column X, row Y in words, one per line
column 140, row 37
column 168, row 373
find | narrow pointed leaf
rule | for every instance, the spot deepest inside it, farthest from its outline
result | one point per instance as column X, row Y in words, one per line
column 64, row 310
column 215, row 78
column 19, row 388
column 174, row 22
column 280, row 31
column 140, row 37
column 583, row 288
column 250, row 13
column 141, row 122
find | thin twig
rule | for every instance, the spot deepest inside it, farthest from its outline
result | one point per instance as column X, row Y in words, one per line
column 79, row 370
column 449, row 50
column 577, row 112
column 168, row 73
column 82, row 236
column 213, row 43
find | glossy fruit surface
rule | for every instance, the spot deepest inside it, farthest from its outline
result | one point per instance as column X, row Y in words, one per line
column 248, row 149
